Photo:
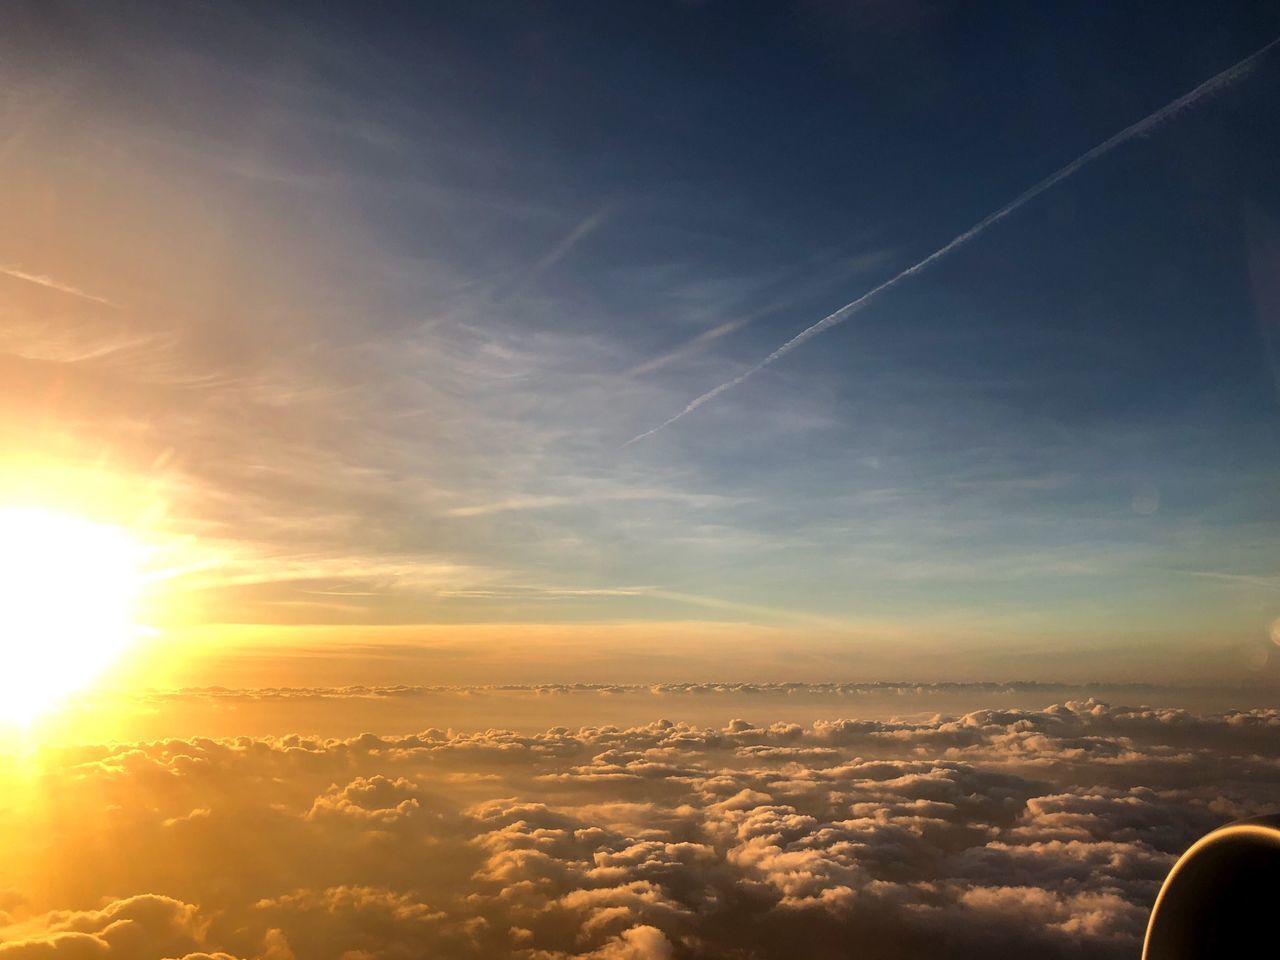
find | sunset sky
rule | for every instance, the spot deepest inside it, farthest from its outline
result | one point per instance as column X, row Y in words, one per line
column 351, row 321
column 421, row 533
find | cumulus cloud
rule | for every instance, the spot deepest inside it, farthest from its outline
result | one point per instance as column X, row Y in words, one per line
column 995, row 833
column 138, row 927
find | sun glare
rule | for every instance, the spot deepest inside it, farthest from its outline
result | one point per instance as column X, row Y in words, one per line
column 69, row 590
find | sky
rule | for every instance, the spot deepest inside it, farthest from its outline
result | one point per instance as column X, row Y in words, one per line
column 352, row 318
column 406, row 549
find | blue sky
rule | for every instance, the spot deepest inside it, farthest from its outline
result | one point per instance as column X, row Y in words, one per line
column 376, row 302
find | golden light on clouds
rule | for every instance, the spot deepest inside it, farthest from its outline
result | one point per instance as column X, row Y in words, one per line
column 71, row 593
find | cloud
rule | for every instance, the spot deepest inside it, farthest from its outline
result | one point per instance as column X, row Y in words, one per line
column 139, row 928
column 689, row 348
column 1142, row 127
column 997, row 833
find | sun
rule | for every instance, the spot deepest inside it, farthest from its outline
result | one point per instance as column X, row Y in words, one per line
column 69, row 590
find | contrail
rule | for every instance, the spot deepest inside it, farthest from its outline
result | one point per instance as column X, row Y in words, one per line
column 1210, row 86
column 40, row 280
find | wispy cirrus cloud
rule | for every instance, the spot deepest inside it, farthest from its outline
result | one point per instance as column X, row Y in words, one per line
column 1213, row 85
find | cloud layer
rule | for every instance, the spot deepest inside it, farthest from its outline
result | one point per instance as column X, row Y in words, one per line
column 998, row 833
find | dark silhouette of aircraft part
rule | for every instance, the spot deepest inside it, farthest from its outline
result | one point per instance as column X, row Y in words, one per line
column 1221, row 897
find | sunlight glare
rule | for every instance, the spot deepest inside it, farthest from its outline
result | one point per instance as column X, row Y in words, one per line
column 69, row 589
